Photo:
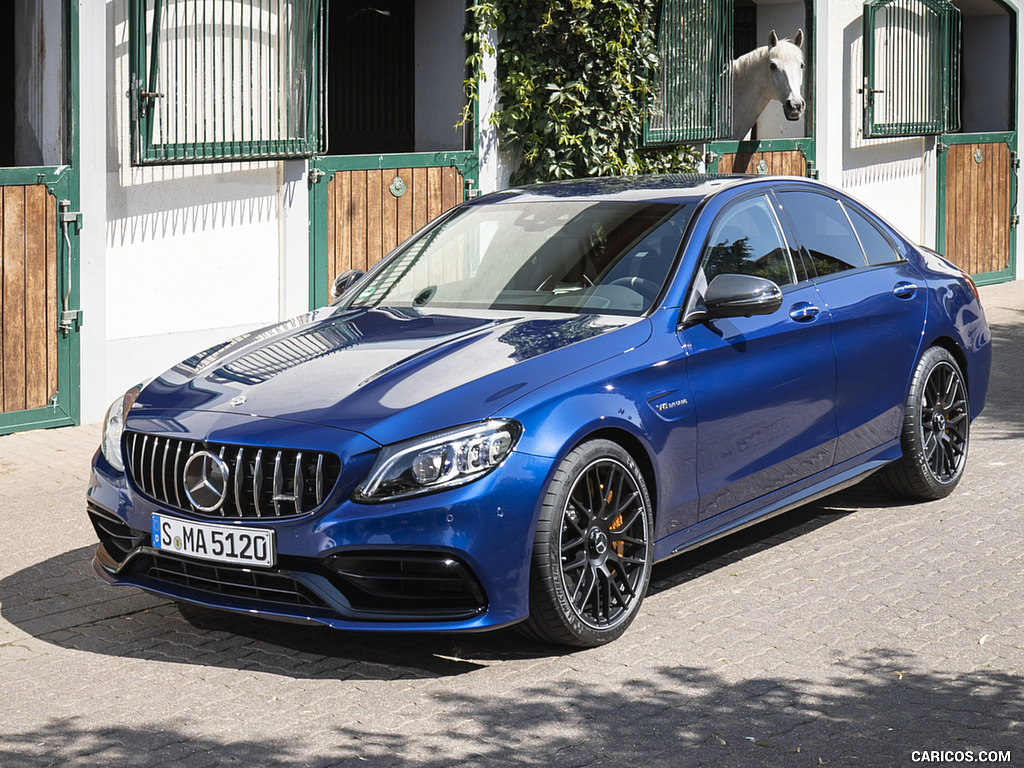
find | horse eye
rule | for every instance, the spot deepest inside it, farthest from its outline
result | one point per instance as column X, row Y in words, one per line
column 773, row 65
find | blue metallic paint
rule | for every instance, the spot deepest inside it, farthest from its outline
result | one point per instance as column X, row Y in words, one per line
column 733, row 420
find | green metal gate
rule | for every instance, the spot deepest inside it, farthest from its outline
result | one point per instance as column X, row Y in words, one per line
column 39, row 295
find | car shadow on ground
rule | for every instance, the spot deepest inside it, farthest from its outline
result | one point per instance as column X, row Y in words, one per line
column 61, row 601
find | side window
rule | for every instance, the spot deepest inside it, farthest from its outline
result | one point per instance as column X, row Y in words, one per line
column 876, row 246
column 824, row 232
column 746, row 240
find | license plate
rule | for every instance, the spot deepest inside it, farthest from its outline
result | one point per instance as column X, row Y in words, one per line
column 220, row 543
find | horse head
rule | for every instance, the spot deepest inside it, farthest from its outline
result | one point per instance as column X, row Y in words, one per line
column 786, row 65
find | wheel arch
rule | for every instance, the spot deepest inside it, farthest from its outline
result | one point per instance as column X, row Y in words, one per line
column 951, row 346
column 636, row 449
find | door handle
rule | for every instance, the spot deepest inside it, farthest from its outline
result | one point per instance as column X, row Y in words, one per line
column 803, row 312
column 904, row 290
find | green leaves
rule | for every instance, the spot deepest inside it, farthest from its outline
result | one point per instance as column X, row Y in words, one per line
column 574, row 80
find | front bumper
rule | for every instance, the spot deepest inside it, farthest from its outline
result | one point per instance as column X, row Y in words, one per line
column 456, row 560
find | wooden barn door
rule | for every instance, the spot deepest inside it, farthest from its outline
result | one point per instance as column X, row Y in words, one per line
column 782, row 163
column 360, row 214
column 35, row 333
column 776, row 157
column 977, row 178
column 371, row 212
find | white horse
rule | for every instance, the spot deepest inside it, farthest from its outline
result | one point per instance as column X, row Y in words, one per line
column 773, row 71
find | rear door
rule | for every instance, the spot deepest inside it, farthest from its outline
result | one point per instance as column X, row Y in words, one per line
column 877, row 302
column 38, row 320
column 763, row 387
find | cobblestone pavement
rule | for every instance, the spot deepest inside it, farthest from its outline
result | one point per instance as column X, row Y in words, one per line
column 852, row 632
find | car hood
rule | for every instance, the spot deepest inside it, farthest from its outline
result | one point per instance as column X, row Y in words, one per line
column 389, row 373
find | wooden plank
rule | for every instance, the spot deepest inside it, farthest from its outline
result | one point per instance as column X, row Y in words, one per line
column 389, row 204
column 434, row 199
column 36, row 337
column 405, row 205
column 358, row 219
column 343, row 229
column 420, row 214
column 374, row 219
column 53, row 297
column 13, row 327
column 1001, row 259
column 451, row 188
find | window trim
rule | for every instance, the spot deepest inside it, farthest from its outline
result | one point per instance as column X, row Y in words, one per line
column 144, row 93
column 714, row 79
column 913, row 116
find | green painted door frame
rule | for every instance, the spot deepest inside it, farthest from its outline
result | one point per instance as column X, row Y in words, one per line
column 322, row 169
column 952, row 139
column 64, row 407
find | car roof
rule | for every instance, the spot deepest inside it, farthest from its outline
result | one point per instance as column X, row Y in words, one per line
column 668, row 188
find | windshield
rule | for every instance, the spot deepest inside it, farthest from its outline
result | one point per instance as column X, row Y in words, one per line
column 563, row 256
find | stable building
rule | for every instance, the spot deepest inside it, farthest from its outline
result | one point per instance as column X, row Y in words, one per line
column 176, row 172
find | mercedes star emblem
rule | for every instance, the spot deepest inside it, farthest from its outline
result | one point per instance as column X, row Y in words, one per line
column 206, row 481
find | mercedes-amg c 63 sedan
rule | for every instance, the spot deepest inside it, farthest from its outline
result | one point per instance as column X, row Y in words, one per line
column 536, row 397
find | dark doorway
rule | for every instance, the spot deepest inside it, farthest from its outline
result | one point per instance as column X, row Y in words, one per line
column 371, row 77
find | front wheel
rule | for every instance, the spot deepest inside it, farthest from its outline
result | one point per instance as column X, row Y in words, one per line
column 592, row 550
column 935, row 433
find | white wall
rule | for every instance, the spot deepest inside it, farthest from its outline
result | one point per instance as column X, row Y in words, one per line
column 174, row 258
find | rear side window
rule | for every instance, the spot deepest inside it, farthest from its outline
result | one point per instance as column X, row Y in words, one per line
column 824, row 232
column 876, row 246
column 746, row 240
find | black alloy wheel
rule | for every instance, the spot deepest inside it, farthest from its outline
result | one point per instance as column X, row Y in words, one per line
column 593, row 548
column 936, row 429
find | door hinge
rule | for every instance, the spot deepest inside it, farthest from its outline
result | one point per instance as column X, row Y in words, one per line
column 71, row 217
column 1014, row 161
column 315, row 174
column 940, row 147
column 472, row 190
column 1014, row 221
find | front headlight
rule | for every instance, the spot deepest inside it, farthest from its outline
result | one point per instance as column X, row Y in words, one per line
column 113, row 426
column 439, row 461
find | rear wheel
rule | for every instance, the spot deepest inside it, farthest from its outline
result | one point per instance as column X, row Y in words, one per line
column 592, row 550
column 936, row 429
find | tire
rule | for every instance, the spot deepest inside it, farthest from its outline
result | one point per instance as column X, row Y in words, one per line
column 592, row 550
column 936, row 429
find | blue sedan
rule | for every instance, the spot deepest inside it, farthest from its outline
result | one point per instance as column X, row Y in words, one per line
column 538, row 396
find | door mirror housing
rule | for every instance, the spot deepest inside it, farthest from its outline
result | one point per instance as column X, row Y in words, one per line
column 741, row 296
column 343, row 282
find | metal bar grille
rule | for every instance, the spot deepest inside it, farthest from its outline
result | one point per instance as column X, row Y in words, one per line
column 263, row 483
column 220, row 80
column 693, row 90
column 911, row 67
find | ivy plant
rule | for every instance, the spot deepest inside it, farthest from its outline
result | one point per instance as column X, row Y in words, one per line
column 575, row 80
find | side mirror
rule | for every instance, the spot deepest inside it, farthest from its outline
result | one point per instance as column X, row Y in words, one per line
column 343, row 281
column 741, row 296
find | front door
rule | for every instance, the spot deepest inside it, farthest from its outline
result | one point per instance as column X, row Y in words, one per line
column 394, row 157
column 38, row 323
column 364, row 206
column 978, row 192
column 39, row 223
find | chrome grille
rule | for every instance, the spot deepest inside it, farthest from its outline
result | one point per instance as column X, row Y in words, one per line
column 264, row 482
